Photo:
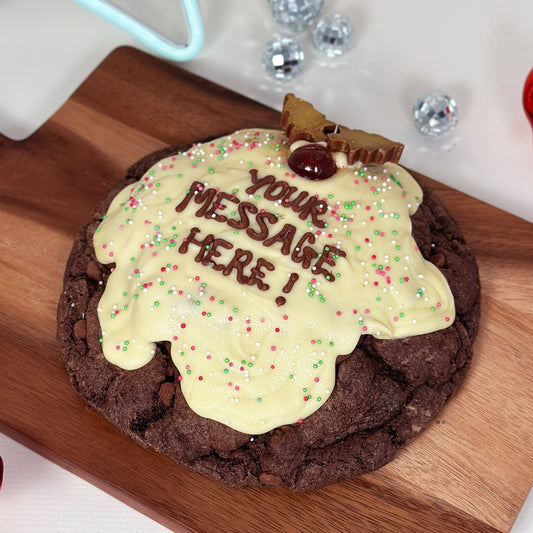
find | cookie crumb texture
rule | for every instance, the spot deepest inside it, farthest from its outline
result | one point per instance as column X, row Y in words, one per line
column 386, row 392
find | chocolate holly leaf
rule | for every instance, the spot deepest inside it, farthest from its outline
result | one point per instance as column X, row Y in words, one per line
column 365, row 147
column 301, row 121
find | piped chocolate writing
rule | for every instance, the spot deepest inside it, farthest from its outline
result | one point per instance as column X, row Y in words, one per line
column 259, row 225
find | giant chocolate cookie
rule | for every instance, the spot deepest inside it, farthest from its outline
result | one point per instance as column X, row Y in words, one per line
column 386, row 391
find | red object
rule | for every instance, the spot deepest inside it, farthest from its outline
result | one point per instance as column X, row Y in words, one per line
column 527, row 97
column 312, row 161
column 1, row 471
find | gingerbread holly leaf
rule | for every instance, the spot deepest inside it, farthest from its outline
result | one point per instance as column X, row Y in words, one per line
column 301, row 121
column 365, row 147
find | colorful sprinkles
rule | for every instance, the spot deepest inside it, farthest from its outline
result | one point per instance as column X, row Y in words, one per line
column 351, row 245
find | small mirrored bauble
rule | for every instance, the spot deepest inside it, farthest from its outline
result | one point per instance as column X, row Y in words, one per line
column 283, row 58
column 435, row 114
column 333, row 35
column 295, row 15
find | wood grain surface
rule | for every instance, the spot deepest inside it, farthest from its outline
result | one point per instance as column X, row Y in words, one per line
column 470, row 471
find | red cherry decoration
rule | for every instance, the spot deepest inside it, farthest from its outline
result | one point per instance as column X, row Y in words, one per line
column 527, row 97
column 312, row 161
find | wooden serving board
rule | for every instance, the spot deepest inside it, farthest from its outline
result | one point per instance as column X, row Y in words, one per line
column 470, row 471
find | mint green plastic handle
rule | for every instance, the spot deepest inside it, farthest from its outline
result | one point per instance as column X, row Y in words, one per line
column 160, row 44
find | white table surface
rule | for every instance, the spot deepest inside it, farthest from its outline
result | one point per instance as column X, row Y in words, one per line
column 478, row 52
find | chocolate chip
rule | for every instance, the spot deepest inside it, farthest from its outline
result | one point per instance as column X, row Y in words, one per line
column 80, row 329
column 93, row 271
column 166, row 393
column 438, row 259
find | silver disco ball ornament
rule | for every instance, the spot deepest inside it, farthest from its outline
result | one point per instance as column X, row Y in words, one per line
column 283, row 58
column 295, row 15
column 333, row 35
column 435, row 114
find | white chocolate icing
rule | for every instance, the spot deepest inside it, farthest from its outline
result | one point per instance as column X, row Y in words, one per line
column 244, row 360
